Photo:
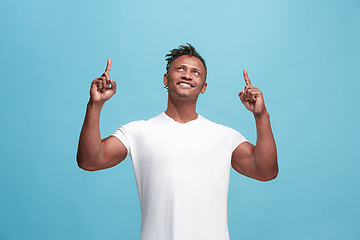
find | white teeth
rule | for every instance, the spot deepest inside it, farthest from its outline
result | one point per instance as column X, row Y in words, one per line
column 184, row 84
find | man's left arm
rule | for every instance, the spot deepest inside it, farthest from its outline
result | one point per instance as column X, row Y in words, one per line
column 260, row 161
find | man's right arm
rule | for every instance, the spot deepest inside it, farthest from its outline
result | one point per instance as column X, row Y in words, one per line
column 93, row 153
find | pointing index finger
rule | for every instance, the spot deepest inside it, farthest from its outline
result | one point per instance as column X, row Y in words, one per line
column 108, row 66
column 246, row 77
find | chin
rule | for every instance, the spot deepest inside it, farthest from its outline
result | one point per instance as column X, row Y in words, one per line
column 183, row 96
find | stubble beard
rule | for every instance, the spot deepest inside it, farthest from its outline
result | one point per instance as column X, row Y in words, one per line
column 183, row 95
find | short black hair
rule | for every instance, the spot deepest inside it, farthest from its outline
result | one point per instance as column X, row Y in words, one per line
column 180, row 51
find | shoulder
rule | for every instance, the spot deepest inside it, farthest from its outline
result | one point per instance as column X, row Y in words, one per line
column 138, row 124
column 217, row 126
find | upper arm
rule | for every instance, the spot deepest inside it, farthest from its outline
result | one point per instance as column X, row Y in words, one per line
column 242, row 160
column 113, row 152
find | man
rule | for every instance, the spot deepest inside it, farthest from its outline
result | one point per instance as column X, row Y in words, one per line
column 181, row 160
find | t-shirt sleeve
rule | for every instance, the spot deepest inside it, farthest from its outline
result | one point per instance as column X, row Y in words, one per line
column 122, row 135
column 237, row 139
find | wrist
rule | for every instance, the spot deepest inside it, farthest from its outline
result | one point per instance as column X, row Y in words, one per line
column 261, row 115
column 94, row 104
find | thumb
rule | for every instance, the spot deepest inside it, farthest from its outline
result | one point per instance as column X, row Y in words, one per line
column 113, row 85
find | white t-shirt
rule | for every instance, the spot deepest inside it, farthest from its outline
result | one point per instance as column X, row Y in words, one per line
column 182, row 174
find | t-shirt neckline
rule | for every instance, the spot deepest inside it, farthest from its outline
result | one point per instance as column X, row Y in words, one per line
column 199, row 117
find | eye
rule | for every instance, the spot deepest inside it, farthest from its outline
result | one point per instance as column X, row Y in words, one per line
column 180, row 69
column 196, row 73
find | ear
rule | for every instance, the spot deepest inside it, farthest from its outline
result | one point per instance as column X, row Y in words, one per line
column 203, row 88
column 166, row 79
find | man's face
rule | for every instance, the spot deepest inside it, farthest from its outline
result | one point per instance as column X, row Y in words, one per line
column 186, row 77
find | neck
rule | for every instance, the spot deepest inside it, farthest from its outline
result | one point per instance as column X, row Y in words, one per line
column 181, row 111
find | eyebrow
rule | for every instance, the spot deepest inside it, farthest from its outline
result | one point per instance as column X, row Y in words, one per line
column 182, row 65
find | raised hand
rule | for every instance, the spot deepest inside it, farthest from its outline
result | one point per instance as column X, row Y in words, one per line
column 252, row 97
column 100, row 90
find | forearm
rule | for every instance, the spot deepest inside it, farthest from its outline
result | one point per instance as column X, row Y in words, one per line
column 265, row 155
column 89, row 148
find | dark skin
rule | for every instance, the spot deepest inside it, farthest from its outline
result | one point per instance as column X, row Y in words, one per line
column 260, row 161
column 185, row 80
column 94, row 153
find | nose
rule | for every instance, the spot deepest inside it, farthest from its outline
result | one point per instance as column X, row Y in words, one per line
column 187, row 75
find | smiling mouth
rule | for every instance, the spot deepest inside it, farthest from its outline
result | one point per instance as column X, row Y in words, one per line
column 185, row 84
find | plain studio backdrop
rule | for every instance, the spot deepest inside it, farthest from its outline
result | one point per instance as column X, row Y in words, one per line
column 303, row 55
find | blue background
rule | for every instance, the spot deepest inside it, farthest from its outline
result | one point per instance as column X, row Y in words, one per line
column 303, row 55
